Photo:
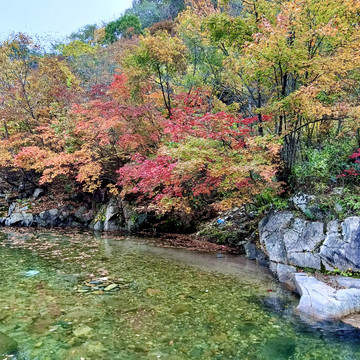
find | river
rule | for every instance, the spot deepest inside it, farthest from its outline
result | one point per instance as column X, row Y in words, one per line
column 79, row 296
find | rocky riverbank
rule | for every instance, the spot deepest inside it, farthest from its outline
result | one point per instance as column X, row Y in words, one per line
column 38, row 211
column 293, row 244
column 288, row 242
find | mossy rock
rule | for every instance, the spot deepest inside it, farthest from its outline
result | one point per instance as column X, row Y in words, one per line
column 8, row 346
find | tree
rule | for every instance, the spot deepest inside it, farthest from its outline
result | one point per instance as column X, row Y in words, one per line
column 204, row 160
column 154, row 11
column 92, row 141
column 156, row 61
column 30, row 83
column 126, row 26
column 85, row 34
column 34, row 89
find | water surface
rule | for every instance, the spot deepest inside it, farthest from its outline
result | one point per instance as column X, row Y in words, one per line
column 78, row 296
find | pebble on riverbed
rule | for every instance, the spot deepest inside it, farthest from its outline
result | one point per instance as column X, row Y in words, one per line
column 101, row 286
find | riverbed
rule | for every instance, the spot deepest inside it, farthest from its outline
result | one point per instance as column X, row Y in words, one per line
column 83, row 296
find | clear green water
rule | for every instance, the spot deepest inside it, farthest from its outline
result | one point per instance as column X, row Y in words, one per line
column 168, row 304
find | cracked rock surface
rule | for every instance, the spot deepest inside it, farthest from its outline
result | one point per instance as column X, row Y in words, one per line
column 322, row 301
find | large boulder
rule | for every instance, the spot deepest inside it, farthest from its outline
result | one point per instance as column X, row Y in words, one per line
column 112, row 214
column 48, row 218
column 291, row 241
column 272, row 230
column 55, row 217
column 19, row 219
column 341, row 247
column 133, row 220
column 347, row 282
column 97, row 225
column 322, row 301
column 285, row 274
column 15, row 219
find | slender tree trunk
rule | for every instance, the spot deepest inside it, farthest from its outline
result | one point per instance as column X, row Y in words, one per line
column 259, row 115
column 6, row 130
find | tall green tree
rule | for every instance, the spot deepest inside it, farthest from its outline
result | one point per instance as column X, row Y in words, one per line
column 126, row 26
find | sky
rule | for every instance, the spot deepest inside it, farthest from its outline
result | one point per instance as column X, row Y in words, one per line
column 55, row 19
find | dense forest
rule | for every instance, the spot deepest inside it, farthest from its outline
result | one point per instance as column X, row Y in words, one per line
column 189, row 108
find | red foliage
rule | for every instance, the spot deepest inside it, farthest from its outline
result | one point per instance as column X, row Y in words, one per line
column 203, row 156
column 119, row 89
column 352, row 171
column 146, row 177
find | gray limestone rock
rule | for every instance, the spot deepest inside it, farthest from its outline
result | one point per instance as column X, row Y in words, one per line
column 89, row 216
column 79, row 213
column 19, row 219
column 15, row 219
column 11, row 208
column 341, row 247
column 37, row 193
column 292, row 241
column 272, row 229
column 304, row 236
column 112, row 212
column 348, row 282
column 324, row 302
column 285, row 274
column 28, row 220
column 253, row 253
column 305, row 260
column 48, row 218
column 98, row 226
column 301, row 201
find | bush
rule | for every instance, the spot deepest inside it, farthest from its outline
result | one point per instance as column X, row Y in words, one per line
column 320, row 165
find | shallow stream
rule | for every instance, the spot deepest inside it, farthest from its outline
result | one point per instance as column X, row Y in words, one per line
column 78, row 296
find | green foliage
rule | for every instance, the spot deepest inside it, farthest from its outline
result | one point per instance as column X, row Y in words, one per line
column 347, row 273
column 84, row 34
column 153, row 11
column 229, row 31
column 350, row 201
column 269, row 199
column 224, row 236
column 76, row 48
column 126, row 26
column 147, row 11
column 309, row 215
column 320, row 165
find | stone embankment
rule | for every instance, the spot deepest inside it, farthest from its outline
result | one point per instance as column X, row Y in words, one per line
column 115, row 215
column 289, row 243
column 293, row 244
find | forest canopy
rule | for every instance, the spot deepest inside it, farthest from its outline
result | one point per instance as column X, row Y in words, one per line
column 188, row 108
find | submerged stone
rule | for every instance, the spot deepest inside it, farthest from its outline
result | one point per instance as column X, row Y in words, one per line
column 279, row 348
column 41, row 324
column 181, row 308
column 32, row 273
column 8, row 346
column 82, row 331
column 110, row 287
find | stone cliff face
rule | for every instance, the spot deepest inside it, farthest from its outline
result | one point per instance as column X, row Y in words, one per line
column 290, row 240
column 115, row 215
